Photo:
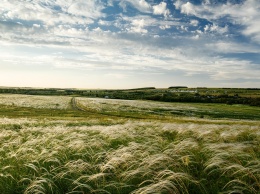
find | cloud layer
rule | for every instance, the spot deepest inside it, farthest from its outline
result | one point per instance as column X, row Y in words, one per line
column 218, row 41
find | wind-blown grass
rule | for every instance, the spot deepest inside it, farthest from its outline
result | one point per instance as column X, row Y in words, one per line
column 51, row 102
column 125, row 155
column 135, row 157
column 144, row 109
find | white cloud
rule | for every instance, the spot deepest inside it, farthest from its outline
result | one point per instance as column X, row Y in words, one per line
column 138, row 26
column 161, row 9
column 178, row 4
column 164, row 27
column 138, row 43
column 140, row 5
column 253, row 29
column 194, row 22
column 246, row 14
column 184, row 28
column 147, row 23
column 70, row 12
column 216, row 28
column 231, row 69
column 104, row 23
column 88, row 9
column 36, row 25
column 144, row 5
column 196, row 37
column 231, row 47
column 103, row 52
column 188, row 8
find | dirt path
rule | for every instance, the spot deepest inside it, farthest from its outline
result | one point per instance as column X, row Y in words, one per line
column 75, row 106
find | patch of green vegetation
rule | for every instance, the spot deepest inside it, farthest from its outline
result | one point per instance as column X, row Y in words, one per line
column 41, row 113
column 173, row 110
column 247, row 96
column 169, row 135
column 14, row 127
column 101, row 122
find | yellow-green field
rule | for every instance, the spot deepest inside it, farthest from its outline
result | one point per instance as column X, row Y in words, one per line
column 84, row 145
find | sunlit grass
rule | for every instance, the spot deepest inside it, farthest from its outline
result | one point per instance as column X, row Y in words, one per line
column 51, row 102
column 137, row 157
column 99, row 153
column 138, row 108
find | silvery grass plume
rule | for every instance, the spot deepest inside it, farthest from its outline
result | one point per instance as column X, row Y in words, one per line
column 48, row 102
column 135, row 156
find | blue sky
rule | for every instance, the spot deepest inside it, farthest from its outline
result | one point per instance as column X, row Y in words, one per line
column 129, row 43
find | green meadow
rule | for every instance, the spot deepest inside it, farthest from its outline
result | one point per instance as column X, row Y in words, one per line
column 64, row 144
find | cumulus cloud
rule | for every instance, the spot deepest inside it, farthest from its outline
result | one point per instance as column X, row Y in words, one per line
column 216, row 28
column 161, row 9
column 194, row 22
column 188, row 8
column 164, row 27
column 177, row 4
column 138, row 26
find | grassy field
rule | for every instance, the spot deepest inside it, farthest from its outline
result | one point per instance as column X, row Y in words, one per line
column 85, row 145
column 245, row 96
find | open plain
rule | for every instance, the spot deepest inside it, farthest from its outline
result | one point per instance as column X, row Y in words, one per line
column 57, row 144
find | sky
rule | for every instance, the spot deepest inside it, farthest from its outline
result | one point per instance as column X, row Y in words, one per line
column 116, row 44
